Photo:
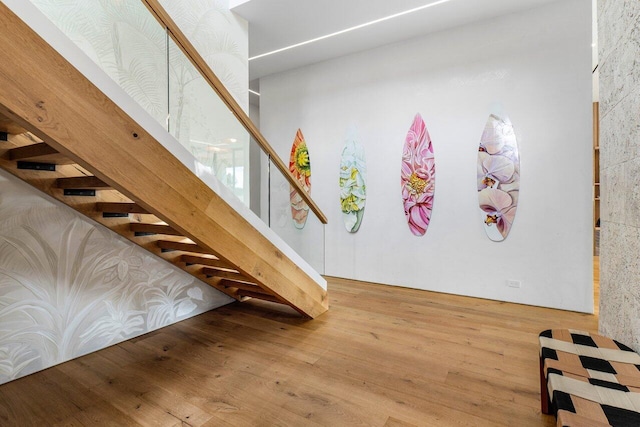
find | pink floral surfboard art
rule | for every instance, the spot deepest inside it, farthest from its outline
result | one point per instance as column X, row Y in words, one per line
column 300, row 168
column 498, row 177
column 418, row 177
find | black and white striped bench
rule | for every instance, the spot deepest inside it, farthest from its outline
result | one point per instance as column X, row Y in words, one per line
column 588, row 379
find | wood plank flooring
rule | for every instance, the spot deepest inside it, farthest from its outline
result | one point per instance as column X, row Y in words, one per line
column 381, row 356
column 596, row 285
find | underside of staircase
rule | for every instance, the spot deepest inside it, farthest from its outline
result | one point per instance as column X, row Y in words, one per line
column 63, row 136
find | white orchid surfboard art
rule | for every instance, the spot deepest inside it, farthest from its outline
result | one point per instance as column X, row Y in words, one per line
column 498, row 177
column 418, row 177
column 300, row 167
column 353, row 189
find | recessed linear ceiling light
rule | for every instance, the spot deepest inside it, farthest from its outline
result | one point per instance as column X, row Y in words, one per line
column 357, row 27
column 254, row 92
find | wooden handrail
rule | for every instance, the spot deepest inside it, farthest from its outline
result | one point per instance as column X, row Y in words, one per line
column 207, row 73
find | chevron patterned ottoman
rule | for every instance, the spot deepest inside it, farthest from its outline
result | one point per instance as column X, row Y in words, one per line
column 588, row 379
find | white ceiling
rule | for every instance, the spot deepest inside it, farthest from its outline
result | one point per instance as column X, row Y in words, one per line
column 274, row 24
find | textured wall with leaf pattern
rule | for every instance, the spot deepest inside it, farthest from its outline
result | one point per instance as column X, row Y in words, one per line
column 69, row 286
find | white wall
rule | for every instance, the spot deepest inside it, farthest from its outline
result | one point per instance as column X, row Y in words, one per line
column 535, row 66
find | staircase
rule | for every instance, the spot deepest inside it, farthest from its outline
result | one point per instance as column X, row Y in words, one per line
column 62, row 135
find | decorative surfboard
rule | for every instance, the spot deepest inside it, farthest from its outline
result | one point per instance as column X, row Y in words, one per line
column 300, row 168
column 418, row 177
column 353, row 189
column 498, row 177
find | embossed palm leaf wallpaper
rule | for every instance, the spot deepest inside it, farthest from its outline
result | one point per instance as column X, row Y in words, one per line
column 69, row 287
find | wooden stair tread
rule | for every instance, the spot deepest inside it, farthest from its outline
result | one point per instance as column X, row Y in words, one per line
column 249, row 290
column 82, row 182
column 139, row 227
column 238, row 280
column 39, row 152
column 120, row 207
column 200, row 260
column 181, row 246
column 29, row 151
column 257, row 295
column 243, row 285
column 9, row 126
column 225, row 274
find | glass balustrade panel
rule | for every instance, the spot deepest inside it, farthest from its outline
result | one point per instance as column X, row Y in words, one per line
column 203, row 123
column 124, row 39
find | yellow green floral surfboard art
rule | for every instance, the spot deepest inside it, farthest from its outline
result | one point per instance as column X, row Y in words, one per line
column 353, row 187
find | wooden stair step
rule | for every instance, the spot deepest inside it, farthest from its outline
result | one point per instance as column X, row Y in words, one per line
column 201, row 260
column 224, row 274
column 40, row 153
column 139, row 227
column 120, row 207
column 30, row 151
column 8, row 126
column 265, row 297
column 229, row 283
column 170, row 245
column 82, row 182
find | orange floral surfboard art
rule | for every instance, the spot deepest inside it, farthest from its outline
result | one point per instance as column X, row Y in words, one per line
column 300, row 167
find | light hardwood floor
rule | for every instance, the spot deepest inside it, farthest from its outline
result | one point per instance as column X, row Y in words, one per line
column 381, row 356
column 596, row 285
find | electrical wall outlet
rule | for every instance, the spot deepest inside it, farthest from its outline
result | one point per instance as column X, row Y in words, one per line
column 514, row 283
